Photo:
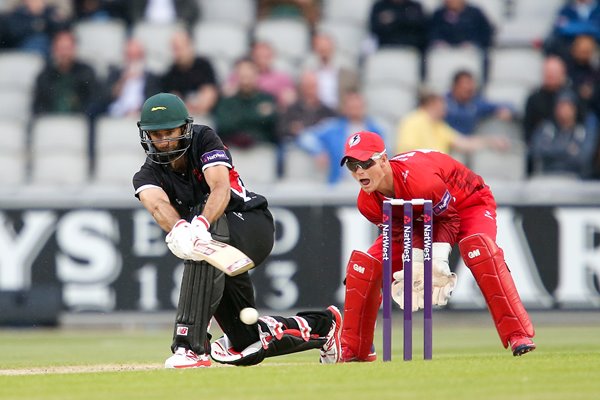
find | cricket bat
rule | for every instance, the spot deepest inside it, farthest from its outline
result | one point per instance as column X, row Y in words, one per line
column 222, row 256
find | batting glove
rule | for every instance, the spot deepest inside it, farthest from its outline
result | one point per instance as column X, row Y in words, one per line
column 200, row 227
column 181, row 239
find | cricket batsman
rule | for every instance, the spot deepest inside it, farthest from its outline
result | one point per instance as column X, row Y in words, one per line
column 464, row 214
column 191, row 187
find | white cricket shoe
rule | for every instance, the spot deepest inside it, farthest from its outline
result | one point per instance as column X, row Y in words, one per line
column 184, row 358
column 332, row 349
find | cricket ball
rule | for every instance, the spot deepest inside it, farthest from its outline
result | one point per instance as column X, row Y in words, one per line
column 249, row 315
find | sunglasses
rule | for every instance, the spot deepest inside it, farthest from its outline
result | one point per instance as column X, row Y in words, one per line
column 353, row 165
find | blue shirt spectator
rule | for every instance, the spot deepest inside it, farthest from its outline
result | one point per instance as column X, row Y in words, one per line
column 325, row 141
column 32, row 25
column 457, row 23
column 466, row 107
column 578, row 17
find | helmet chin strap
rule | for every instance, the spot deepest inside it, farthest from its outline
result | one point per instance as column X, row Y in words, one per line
column 167, row 157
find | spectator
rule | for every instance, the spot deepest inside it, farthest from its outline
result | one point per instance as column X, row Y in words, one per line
column 191, row 77
column 277, row 83
column 308, row 110
column 540, row 103
column 93, row 9
column 131, row 84
column 334, row 77
column 578, row 17
column 582, row 67
column 250, row 115
column 32, row 25
column 270, row 80
column 562, row 145
column 64, row 8
column 65, row 85
column 399, row 23
column 164, row 11
column 425, row 128
column 457, row 24
column 466, row 107
column 309, row 10
column 325, row 141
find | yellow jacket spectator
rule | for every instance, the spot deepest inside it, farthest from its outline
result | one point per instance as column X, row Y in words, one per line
column 425, row 128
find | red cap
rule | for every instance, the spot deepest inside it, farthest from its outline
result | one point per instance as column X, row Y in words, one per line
column 362, row 146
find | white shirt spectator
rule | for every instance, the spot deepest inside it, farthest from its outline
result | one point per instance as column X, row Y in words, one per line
column 161, row 11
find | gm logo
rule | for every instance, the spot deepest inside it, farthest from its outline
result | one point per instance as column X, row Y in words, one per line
column 474, row 253
column 358, row 268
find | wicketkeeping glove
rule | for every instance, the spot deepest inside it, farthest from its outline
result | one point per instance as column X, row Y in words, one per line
column 444, row 281
column 418, row 300
column 443, row 285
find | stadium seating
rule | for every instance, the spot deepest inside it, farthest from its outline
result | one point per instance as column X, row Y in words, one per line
column 156, row 39
column 390, row 78
column 542, row 10
column 19, row 69
column 394, row 67
column 220, row 40
column 494, row 10
column 255, row 165
column 506, row 92
column 389, row 102
column 348, row 38
column 501, row 165
column 443, row 62
column 15, row 103
column 299, row 166
column 523, row 32
column 118, row 151
column 59, row 150
column 223, row 43
column 111, row 33
column 289, row 37
column 244, row 13
column 340, row 10
column 516, row 65
column 222, row 68
column 13, row 152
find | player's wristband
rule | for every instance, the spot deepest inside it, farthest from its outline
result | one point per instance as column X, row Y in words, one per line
column 203, row 220
column 178, row 223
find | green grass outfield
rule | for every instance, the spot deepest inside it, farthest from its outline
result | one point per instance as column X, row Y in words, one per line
column 469, row 363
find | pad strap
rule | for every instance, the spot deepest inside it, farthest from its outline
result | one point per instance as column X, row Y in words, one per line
column 363, row 297
column 486, row 261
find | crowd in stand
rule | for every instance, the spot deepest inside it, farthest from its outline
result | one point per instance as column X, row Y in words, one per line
column 317, row 108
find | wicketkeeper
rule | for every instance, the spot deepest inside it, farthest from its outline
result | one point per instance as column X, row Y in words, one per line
column 190, row 186
column 464, row 213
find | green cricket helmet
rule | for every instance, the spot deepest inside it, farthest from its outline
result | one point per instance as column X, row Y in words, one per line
column 165, row 111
